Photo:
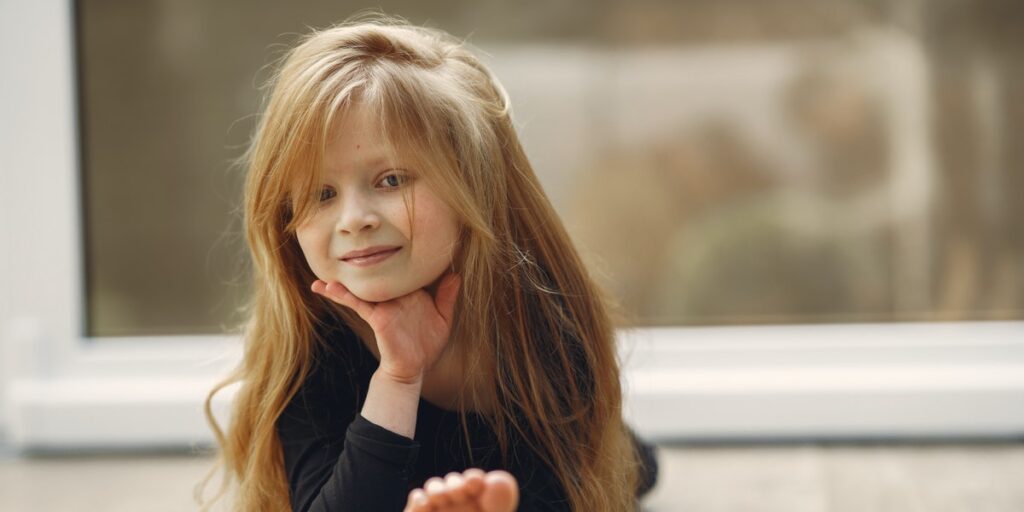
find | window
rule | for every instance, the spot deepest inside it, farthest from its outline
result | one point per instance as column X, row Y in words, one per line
column 844, row 171
column 796, row 165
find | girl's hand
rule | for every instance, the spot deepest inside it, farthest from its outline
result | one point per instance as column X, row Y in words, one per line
column 411, row 330
column 469, row 491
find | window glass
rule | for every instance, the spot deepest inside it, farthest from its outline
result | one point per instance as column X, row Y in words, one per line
column 731, row 162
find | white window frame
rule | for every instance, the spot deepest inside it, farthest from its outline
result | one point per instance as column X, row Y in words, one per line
column 61, row 390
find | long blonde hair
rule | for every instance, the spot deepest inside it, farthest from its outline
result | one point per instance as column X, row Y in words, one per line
column 549, row 354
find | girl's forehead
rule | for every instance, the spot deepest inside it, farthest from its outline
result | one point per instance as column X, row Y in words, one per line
column 358, row 136
column 346, row 153
column 345, row 163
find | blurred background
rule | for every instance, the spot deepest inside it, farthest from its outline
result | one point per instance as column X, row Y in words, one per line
column 728, row 162
column 720, row 164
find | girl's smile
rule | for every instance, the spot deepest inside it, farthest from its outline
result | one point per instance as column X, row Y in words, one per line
column 372, row 258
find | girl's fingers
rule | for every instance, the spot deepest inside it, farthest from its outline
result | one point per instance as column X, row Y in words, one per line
column 437, row 492
column 447, row 293
column 501, row 492
column 456, row 485
column 495, row 490
column 474, row 481
column 418, row 502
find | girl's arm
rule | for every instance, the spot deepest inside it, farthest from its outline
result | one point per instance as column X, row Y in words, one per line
column 392, row 403
column 411, row 332
column 337, row 460
column 370, row 467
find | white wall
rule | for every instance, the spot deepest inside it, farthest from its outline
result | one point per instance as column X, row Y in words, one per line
column 35, row 134
column 5, row 287
column 8, row 161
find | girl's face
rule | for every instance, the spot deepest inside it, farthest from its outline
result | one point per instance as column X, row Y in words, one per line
column 362, row 206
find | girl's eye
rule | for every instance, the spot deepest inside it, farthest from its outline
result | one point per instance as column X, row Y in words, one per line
column 326, row 193
column 394, row 180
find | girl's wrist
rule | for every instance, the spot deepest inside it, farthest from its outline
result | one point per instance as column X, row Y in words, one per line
column 392, row 404
column 404, row 379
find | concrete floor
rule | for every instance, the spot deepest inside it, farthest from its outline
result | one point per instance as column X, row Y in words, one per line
column 770, row 478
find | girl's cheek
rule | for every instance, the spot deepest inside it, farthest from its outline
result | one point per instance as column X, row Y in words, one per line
column 314, row 237
column 400, row 217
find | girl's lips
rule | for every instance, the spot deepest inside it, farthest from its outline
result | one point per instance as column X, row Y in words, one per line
column 364, row 261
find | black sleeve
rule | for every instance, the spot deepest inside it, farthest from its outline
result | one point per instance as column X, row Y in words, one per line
column 334, row 467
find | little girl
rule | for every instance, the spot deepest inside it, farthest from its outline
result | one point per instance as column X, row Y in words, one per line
column 423, row 335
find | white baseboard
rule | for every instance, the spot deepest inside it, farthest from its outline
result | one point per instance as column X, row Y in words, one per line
column 103, row 414
column 898, row 402
column 757, row 383
column 831, row 382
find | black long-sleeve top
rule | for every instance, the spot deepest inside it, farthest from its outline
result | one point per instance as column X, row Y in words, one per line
column 337, row 460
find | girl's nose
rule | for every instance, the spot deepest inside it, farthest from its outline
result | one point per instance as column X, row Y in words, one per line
column 357, row 215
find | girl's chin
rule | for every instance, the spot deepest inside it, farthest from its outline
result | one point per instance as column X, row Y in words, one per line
column 383, row 290
column 372, row 296
column 375, row 294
